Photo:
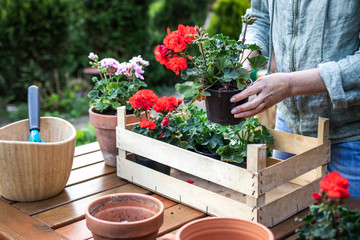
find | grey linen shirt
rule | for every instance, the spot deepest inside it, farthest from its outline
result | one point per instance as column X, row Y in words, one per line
column 307, row 34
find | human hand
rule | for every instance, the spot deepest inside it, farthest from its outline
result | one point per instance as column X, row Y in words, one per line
column 269, row 90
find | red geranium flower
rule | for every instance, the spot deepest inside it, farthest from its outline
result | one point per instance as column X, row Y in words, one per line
column 145, row 123
column 316, row 196
column 143, row 99
column 176, row 63
column 335, row 185
column 175, row 41
column 161, row 54
column 186, row 32
column 165, row 122
column 166, row 104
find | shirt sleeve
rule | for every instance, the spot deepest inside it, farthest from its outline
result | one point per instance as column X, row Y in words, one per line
column 258, row 32
column 342, row 80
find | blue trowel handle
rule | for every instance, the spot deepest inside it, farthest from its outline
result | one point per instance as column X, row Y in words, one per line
column 34, row 108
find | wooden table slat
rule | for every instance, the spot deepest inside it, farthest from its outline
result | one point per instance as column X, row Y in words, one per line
column 76, row 230
column 88, row 159
column 75, row 211
column 73, row 193
column 17, row 225
column 178, row 215
column 87, row 148
column 89, row 172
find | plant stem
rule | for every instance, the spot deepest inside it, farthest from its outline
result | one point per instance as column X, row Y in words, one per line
column 243, row 39
column 202, row 53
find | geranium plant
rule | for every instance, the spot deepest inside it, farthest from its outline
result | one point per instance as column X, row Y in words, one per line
column 329, row 219
column 163, row 127
column 117, row 82
column 229, row 142
column 219, row 64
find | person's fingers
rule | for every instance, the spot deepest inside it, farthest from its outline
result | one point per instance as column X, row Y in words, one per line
column 251, row 108
column 249, row 91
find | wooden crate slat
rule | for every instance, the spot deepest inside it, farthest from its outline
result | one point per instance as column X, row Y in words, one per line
column 26, row 227
column 87, row 159
column 293, row 167
column 73, row 193
column 292, row 143
column 75, row 211
column 89, row 172
column 288, row 205
column 183, row 192
column 87, row 148
column 204, row 167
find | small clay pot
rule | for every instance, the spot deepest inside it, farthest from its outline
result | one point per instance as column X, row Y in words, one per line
column 105, row 130
column 125, row 216
column 219, row 228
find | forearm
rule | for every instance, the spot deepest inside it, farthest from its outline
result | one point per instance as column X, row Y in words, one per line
column 305, row 82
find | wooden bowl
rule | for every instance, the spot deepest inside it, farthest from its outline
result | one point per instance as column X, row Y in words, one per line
column 35, row 171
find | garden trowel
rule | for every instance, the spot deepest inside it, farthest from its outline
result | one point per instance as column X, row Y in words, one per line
column 34, row 113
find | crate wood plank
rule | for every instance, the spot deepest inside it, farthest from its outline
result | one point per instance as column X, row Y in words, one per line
column 75, row 211
column 287, row 228
column 87, row 148
column 89, row 172
column 87, row 159
column 292, row 143
column 15, row 224
column 293, row 167
column 73, row 193
column 207, row 168
column 183, row 192
column 288, row 205
column 178, row 215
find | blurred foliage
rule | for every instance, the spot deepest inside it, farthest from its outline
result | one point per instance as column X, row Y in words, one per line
column 226, row 18
column 117, row 28
column 46, row 43
column 34, row 45
column 85, row 135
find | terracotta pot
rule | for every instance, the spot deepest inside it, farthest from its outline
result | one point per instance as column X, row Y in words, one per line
column 105, row 130
column 218, row 228
column 33, row 171
column 125, row 216
column 218, row 107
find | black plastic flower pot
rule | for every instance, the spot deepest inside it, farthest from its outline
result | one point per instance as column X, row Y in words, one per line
column 203, row 151
column 152, row 164
column 218, row 107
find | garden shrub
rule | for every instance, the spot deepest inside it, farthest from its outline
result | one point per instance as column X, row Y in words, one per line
column 34, row 45
column 226, row 18
column 117, row 28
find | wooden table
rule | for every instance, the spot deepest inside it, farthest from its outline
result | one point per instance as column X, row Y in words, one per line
column 62, row 217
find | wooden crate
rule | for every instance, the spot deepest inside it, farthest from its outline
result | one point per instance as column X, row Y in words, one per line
column 268, row 191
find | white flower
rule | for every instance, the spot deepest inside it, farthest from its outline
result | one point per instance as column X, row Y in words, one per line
column 92, row 56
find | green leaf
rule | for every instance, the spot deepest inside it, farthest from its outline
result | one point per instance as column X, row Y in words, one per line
column 189, row 89
column 257, row 61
